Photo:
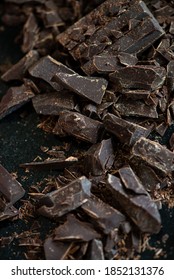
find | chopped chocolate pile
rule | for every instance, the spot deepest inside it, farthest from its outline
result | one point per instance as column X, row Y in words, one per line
column 99, row 75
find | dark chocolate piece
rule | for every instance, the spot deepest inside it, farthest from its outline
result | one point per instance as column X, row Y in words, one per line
column 65, row 199
column 103, row 215
column 30, row 33
column 154, row 154
column 130, row 181
column 99, row 158
column 46, row 68
column 88, row 87
column 101, row 64
column 112, row 31
column 136, row 94
column 10, row 187
column 125, row 131
column 139, row 207
column 15, row 98
column 57, row 164
column 96, row 250
column 78, row 125
column 18, row 70
column 135, row 108
column 144, row 77
column 53, row 103
column 55, row 250
column 127, row 59
column 170, row 75
column 75, row 230
column 8, row 212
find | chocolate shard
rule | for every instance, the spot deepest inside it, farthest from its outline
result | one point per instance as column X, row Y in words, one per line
column 30, row 31
column 55, row 250
column 130, row 181
column 75, row 230
column 18, row 70
column 154, row 154
column 103, row 215
column 78, row 125
column 99, row 158
column 96, row 250
column 135, row 108
column 10, row 188
column 127, row 59
column 46, row 68
column 15, row 98
column 53, row 103
column 125, row 131
column 139, row 207
column 144, row 77
column 147, row 175
column 8, row 212
column 101, row 64
column 170, row 75
column 137, row 94
column 90, row 88
column 50, row 164
column 57, row 203
column 120, row 26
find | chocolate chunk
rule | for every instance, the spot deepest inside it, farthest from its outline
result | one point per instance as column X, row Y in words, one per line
column 30, row 31
column 75, row 230
column 99, row 158
column 139, row 207
column 8, row 212
column 65, row 199
column 112, row 31
column 50, row 164
column 125, row 131
column 171, row 142
column 103, row 215
column 18, row 70
column 46, row 68
column 101, row 64
column 127, row 59
column 170, row 75
column 89, row 87
column 147, row 176
column 78, row 125
column 154, row 154
column 144, row 77
column 135, row 108
column 96, row 250
column 53, row 103
column 162, row 128
column 9, row 187
column 130, row 181
column 55, row 250
column 15, row 98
